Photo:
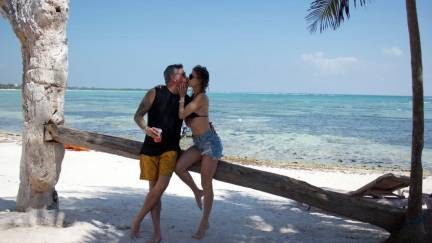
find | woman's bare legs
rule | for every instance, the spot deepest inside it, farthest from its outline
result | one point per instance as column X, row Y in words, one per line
column 208, row 169
column 186, row 160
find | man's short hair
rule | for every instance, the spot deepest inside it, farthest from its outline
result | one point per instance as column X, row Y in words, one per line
column 170, row 70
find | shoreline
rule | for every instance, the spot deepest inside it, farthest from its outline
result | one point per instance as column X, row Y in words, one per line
column 331, row 167
column 9, row 137
column 12, row 137
column 243, row 92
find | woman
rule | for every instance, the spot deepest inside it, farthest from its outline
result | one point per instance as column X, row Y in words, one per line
column 207, row 146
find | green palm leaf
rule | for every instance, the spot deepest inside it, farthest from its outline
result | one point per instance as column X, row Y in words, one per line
column 329, row 13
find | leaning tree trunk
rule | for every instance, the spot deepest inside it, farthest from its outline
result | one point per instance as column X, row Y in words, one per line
column 40, row 26
column 414, row 227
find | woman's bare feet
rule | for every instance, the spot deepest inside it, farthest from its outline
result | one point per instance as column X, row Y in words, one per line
column 198, row 198
column 203, row 227
column 157, row 238
column 135, row 229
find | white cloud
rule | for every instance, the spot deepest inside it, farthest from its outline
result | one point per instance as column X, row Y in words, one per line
column 392, row 51
column 329, row 66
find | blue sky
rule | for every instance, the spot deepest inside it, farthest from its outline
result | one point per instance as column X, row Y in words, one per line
column 250, row 46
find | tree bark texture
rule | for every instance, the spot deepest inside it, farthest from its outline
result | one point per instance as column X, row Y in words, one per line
column 40, row 26
column 413, row 229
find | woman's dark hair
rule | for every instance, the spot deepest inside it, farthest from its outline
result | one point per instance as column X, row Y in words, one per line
column 202, row 75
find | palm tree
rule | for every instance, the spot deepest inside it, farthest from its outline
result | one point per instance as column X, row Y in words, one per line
column 40, row 26
column 331, row 13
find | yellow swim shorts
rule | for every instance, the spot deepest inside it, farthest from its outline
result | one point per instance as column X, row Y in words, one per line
column 154, row 166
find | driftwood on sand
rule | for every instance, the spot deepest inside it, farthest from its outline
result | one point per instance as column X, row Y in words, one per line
column 384, row 216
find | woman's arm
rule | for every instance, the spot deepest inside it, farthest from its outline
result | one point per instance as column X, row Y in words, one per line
column 193, row 106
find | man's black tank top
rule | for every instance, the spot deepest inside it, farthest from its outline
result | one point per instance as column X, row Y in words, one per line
column 163, row 114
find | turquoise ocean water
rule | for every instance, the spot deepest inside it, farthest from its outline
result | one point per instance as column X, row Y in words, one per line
column 341, row 129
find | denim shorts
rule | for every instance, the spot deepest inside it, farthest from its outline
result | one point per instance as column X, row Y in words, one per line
column 209, row 144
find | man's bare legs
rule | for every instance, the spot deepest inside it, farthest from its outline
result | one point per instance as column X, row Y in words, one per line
column 155, row 214
column 152, row 203
column 186, row 160
column 208, row 169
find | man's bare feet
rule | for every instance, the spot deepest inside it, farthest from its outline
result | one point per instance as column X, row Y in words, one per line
column 203, row 227
column 135, row 229
column 157, row 238
column 198, row 198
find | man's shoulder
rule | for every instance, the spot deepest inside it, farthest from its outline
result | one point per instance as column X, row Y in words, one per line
column 159, row 87
column 155, row 89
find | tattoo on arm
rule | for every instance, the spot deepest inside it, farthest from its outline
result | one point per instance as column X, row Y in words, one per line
column 143, row 108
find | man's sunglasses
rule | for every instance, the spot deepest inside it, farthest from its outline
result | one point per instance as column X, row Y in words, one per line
column 182, row 74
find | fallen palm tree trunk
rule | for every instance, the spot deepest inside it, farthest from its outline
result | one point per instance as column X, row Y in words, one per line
column 384, row 216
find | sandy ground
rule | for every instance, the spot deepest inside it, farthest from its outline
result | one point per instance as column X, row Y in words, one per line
column 100, row 193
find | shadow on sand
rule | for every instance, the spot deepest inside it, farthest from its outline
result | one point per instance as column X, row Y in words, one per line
column 236, row 217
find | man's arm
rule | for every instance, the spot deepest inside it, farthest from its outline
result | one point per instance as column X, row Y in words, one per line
column 143, row 108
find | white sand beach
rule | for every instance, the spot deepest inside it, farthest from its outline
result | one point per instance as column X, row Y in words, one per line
column 99, row 194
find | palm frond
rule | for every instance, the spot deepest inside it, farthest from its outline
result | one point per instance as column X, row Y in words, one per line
column 329, row 13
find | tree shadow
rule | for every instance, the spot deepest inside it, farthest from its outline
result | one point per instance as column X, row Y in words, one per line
column 273, row 220
column 236, row 217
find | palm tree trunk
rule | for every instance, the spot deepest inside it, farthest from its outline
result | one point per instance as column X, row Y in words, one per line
column 40, row 26
column 414, row 201
column 414, row 228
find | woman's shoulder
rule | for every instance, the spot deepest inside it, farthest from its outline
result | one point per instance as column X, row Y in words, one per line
column 201, row 96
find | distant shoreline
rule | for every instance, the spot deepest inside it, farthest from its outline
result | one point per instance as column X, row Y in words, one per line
column 88, row 89
column 228, row 92
column 18, row 87
column 114, row 89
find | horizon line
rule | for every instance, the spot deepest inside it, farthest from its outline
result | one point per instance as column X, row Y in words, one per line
column 232, row 92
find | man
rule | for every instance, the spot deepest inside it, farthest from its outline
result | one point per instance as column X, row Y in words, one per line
column 161, row 147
